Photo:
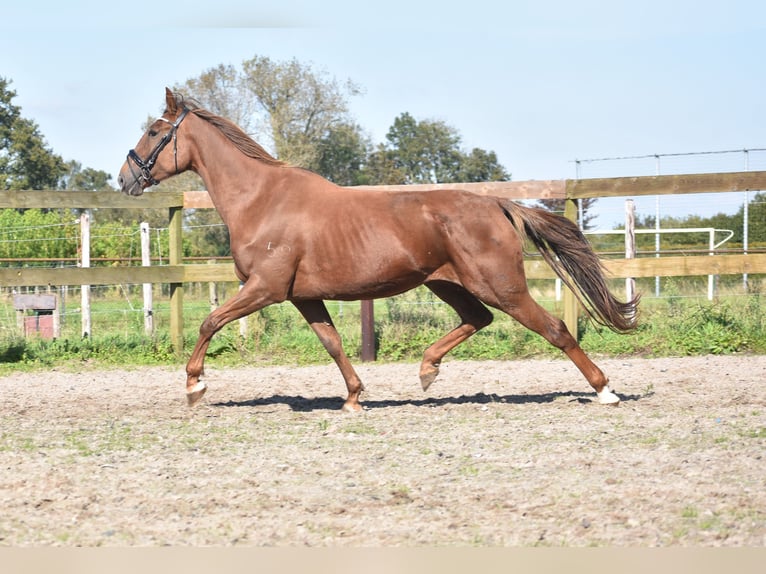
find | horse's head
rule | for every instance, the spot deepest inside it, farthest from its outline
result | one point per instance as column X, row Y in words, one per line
column 146, row 164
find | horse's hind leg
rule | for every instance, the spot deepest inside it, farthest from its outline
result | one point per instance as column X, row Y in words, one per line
column 527, row 312
column 317, row 316
column 474, row 316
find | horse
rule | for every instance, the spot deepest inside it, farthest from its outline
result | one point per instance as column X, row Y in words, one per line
column 295, row 236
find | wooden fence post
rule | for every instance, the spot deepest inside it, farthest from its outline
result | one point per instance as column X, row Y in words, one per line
column 571, row 305
column 175, row 231
column 369, row 353
column 146, row 261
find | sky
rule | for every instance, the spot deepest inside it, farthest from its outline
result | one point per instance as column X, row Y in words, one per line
column 541, row 83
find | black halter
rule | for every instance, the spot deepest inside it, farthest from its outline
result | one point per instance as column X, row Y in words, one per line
column 145, row 167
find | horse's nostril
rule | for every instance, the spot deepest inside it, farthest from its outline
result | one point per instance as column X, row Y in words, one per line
column 121, row 182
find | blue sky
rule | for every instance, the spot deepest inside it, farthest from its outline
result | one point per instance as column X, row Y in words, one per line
column 540, row 83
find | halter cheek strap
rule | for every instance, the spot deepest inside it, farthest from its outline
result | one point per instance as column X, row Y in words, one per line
column 145, row 166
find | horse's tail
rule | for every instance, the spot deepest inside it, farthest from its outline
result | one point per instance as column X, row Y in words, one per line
column 568, row 252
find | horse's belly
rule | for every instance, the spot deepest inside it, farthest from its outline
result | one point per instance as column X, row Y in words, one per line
column 346, row 286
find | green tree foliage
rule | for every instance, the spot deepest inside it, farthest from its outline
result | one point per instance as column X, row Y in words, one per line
column 382, row 168
column 78, row 179
column 429, row 151
column 224, row 90
column 481, row 165
column 301, row 106
column 342, row 154
column 303, row 115
column 288, row 107
column 35, row 233
column 25, row 160
column 426, row 151
column 55, row 234
column 756, row 216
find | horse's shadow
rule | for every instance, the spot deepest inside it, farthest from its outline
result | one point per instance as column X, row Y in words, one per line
column 300, row 403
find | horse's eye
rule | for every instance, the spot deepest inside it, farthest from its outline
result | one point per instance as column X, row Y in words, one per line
column 152, row 133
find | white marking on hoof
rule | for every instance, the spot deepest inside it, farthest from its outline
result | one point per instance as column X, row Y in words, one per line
column 196, row 388
column 607, row 397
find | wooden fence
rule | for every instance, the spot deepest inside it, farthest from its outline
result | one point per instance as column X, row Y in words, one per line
column 176, row 273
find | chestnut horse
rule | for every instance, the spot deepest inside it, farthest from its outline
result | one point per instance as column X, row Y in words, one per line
column 297, row 237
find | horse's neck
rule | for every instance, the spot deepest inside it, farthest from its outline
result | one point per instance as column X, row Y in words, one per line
column 231, row 178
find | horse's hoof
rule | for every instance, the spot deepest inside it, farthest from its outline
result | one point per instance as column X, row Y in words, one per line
column 428, row 376
column 351, row 407
column 195, row 395
column 607, row 397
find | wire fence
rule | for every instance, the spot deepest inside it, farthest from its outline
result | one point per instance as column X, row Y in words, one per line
column 611, row 211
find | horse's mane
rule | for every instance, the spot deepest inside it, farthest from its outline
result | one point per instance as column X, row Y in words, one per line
column 232, row 131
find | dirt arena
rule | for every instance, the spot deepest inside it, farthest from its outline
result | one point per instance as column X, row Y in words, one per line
column 513, row 453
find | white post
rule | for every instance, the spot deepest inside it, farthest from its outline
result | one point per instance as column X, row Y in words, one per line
column 630, row 245
column 657, row 235
column 745, row 223
column 212, row 290
column 711, row 278
column 85, row 263
column 146, row 261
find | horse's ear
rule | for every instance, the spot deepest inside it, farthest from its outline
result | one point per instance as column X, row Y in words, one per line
column 170, row 101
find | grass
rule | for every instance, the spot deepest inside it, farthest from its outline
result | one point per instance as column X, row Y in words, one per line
column 675, row 325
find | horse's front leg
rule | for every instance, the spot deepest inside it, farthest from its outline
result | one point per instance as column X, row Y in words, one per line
column 317, row 316
column 249, row 299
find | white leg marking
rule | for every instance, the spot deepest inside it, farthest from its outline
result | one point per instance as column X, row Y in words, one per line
column 607, row 397
column 198, row 387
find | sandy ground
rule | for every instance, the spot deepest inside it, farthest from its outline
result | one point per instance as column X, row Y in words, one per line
column 513, row 453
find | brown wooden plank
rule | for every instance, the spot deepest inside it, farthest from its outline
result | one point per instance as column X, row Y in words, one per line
column 666, row 184
column 538, row 269
column 532, row 189
column 683, row 266
column 90, row 276
column 197, row 200
column 88, row 199
column 201, row 273
column 34, row 302
column 534, row 269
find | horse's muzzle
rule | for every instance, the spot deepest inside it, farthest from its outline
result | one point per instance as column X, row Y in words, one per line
column 129, row 185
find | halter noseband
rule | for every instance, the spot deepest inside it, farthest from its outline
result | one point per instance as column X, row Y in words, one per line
column 145, row 167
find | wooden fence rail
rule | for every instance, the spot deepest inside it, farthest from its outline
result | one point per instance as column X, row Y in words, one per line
column 177, row 273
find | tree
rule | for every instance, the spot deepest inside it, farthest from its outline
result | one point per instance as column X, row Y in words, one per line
column 429, row 152
column 300, row 114
column 301, row 106
column 224, row 91
column 756, row 221
column 426, row 151
column 303, row 116
column 342, row 155
column 88, row 179
column 481, row 165
column 25, row 160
